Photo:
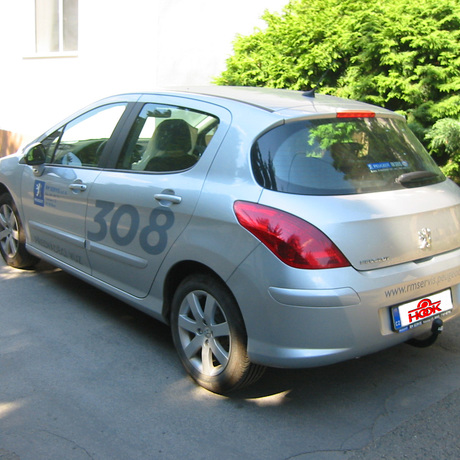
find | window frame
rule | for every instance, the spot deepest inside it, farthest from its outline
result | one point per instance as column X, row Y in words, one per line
column 61, row 52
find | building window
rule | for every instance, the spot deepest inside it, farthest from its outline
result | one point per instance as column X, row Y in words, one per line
column 56, row 26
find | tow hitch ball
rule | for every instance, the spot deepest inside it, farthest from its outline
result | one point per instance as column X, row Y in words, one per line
column 436, row 328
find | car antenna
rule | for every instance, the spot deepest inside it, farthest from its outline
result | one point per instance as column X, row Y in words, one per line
column 311, row 92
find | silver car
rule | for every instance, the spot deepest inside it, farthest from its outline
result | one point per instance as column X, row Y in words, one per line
column 267, row 227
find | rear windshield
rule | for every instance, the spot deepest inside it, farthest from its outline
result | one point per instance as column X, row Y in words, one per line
column 342, row 156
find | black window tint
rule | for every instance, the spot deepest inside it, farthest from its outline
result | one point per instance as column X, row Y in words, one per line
column 342, row 156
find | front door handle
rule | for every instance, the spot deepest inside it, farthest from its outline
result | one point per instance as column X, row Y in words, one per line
column 77, row 187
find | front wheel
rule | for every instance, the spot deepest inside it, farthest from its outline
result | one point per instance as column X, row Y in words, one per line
column 209, row 335
column 12, row 238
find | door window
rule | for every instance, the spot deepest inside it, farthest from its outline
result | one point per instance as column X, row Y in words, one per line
column 167, row 139
column 81, row 141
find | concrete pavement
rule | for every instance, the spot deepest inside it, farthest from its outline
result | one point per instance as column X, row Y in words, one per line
column 84, row 376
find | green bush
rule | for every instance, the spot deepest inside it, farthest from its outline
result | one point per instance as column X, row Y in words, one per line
column 444, row 142
column 401, row 55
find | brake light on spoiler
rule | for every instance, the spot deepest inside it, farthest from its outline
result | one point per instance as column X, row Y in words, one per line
column 356, row 114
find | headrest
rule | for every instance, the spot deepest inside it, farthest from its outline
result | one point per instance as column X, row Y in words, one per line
column 173, row 135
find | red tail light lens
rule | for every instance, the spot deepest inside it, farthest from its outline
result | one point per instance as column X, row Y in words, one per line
column 294, row 241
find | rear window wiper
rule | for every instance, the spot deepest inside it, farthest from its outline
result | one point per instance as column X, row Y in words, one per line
column 416, row 178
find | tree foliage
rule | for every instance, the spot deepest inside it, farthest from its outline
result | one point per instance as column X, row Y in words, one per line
column 444, row 140
column 401, row 55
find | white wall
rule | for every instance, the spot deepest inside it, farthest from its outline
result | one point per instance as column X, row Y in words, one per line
column 124, row 46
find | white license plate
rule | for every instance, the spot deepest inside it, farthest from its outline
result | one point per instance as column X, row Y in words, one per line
column 417, row 312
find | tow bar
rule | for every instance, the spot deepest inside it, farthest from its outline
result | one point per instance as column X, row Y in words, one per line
column 436, row 328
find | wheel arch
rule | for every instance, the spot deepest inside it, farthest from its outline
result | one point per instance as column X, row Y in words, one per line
column 177, row 274
column 4, row 189
column 16, row 199
column 13, row 240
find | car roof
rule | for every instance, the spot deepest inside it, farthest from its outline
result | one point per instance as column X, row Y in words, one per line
column 287, row 102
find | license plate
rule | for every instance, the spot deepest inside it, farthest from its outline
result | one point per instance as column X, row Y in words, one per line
column 417, row 312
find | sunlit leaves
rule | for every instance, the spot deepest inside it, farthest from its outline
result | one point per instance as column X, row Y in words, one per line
column 393, row 53
column 401, row 55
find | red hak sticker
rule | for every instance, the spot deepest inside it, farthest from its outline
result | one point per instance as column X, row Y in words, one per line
column 412, row 314
column 425, row 308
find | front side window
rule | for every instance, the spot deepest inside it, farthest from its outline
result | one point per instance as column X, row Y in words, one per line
column 342, row 156
column 56, row 26
column 81, row 141
column 167, row 139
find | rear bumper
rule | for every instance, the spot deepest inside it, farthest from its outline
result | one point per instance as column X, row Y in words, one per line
column 292, row 324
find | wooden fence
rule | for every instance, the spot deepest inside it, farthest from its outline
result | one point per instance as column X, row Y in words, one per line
column 9, row 142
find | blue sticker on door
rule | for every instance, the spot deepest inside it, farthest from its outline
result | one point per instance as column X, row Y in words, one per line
column 39, row 193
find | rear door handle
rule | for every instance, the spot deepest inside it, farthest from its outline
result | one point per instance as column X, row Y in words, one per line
column 167, row 198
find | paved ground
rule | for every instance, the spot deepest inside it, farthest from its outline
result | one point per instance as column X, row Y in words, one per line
column 82, row 376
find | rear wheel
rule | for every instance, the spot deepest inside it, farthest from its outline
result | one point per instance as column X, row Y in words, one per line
column 12, row 238
column 209, row 335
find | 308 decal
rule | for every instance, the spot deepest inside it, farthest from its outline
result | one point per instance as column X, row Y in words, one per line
column 153, row 238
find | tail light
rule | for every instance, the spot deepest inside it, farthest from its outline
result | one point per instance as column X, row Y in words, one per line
column 294, row 241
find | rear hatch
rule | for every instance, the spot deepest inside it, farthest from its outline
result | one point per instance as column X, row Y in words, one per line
column 366, row 182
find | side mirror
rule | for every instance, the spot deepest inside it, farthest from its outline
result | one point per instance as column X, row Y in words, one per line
column 36, row 155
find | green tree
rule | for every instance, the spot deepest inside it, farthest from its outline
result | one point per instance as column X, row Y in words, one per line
column 444, row 141
column 401, row 55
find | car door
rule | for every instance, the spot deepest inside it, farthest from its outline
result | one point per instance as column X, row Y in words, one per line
column 138, row 208
column 54, row 196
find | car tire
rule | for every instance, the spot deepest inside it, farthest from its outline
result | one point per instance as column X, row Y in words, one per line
column 12, row 237
column 209, row 335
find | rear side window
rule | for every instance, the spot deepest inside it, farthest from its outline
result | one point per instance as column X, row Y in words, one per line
column 167, row 139
column 342, row 156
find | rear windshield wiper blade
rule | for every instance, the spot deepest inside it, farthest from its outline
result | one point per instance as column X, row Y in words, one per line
column 415, row 178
